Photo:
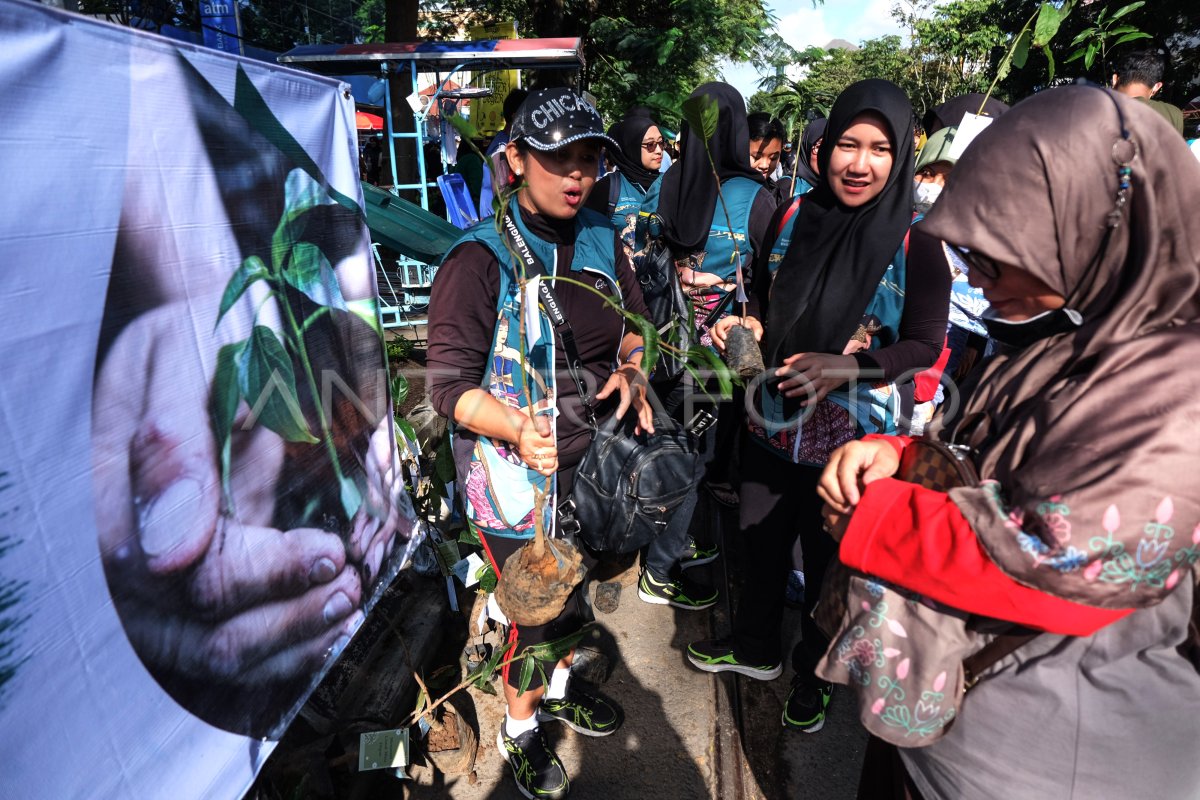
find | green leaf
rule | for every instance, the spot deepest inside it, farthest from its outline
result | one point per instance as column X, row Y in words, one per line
column 1084, row 35
column 367, row 309
column 406, row 430
column 1021, row 51
column 556, row 649
column 351, row 496
column 1130, row 37
column 308, row 271
column 399, row 386
column 1050, row 63
column 1078, row 54
column 267, row 381
column 1048, row 22
column 526, row 676
column 251, row 270
column 650, row 341
column 223, row 405
column 1127, row 10
column 701, row 113
column 463, row 125
column 1090, row 56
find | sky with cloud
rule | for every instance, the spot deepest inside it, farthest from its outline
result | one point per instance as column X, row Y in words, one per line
column 802, row 25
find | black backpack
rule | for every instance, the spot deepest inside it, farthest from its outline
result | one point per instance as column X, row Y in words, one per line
column 670, row 310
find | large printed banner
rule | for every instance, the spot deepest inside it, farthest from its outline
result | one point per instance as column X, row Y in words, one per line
column 199, row 492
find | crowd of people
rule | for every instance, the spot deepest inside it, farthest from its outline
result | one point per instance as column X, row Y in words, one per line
column 1022, row 283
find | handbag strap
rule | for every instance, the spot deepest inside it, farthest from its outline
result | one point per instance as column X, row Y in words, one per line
column 976, row 664
column 535, row 267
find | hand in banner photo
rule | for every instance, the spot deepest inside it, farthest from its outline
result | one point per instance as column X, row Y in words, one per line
column 221, row 608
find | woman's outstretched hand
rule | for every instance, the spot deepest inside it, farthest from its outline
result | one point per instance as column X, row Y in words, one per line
column 630, row 382
column 814, row 375
column 719, row 331
column 851, row 468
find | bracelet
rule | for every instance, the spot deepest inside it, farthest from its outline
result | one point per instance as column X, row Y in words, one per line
column 634, row 352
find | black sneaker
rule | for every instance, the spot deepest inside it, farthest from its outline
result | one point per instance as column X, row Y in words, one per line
column 581, row 712
column 695, row 555
column 681, row 592
column 805, row 707
column 716, row 655
column 538, row 772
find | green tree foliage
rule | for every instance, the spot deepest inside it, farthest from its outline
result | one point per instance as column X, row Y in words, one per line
column 637, row 52
column 950, row 52
column 951, row 48
column 1173, row 24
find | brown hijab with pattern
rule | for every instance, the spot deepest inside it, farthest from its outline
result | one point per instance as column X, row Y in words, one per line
column 1089, row 441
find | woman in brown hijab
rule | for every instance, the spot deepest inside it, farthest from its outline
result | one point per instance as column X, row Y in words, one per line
column 1087, row 524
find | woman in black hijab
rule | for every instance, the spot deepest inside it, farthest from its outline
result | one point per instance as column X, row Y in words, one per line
column 844, row 305
column 806, row 169
column 701, row 238
column 632, row 188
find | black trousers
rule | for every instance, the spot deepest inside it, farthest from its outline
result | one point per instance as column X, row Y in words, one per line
column 576, row 611
column 779, row 504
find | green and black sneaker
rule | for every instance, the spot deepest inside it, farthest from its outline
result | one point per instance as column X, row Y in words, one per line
column 680, row 592
column 716, row 655
column 804, row 710
column 581, row 712
column 537, row 770
column 695, row 555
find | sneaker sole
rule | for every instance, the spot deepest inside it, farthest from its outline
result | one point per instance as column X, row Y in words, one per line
column 816, row 726
column 524, row 792
column 699, row 562
column 662, row 601
column 544, row 717
column 749, row 672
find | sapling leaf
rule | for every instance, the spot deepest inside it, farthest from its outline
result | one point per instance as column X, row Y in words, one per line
column 526, row 676
column 223, row 405
column 650, row 341
column 267, row 381
column 701, row 113
column 308, row 271
column 1049, row 62
column 1130, row 37
column 463, row 125
column 1048, row 22
column 1127, row 9
column 251, row 270
column 350, row 495
column 1021, row 52
column 366, row 309
column 399, row 386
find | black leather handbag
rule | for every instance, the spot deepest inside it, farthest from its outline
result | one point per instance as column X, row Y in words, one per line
column 628, row 484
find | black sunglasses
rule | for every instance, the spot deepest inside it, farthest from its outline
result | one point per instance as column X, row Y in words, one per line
column 987, row 267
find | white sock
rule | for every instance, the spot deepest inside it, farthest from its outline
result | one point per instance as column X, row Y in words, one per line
column 557, row 689
column 515, row 727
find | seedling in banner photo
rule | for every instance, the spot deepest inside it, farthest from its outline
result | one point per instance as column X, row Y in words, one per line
column 259, row 369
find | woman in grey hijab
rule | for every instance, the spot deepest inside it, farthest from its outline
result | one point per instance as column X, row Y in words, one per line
column 1086, row 527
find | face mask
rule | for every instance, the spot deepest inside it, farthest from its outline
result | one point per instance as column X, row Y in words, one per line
column 924, row 195
column 1022, row 334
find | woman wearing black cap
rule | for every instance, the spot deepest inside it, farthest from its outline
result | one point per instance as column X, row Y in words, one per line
column 490, row 358
column 847, row 318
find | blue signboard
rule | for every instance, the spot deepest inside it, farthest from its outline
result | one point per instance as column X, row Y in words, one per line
column 221, row 25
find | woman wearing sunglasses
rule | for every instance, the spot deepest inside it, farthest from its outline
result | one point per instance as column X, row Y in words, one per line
column 499, row 372
column 1085, row 531
column 631, row 189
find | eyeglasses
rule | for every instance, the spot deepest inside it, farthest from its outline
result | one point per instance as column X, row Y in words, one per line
column 650, row 147
column 977, row 262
